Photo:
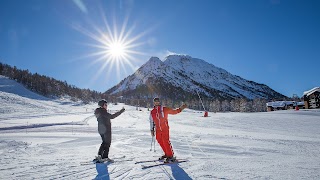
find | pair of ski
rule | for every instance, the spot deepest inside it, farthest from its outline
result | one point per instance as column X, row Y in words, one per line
column 143, row 163
column 158, row 163
column 116, row 159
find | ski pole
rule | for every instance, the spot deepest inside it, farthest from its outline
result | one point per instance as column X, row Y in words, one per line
column 154, row 145
column 151, row 143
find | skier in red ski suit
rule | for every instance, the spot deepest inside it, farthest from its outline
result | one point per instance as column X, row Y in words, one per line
column 159, row 121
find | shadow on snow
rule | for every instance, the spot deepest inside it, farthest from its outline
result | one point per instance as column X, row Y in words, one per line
column 178, row 173
column 38, row 126
column 102, row 170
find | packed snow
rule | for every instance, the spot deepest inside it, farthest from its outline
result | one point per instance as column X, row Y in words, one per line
column 51, row 139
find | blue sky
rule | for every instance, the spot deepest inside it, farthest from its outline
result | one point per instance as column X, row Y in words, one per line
column 273, row 42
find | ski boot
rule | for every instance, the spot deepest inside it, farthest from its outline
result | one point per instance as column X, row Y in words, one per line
column 97, row 159
column 162, row 157
column 170, row 159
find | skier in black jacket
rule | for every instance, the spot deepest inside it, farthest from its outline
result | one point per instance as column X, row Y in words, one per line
column 104, row 129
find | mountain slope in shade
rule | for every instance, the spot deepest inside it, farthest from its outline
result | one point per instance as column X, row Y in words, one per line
column 181, row 76
column 15, row 98
column 10, row 86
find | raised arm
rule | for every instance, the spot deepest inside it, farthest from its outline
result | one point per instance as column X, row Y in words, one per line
column 175, row 111
column 112, row 116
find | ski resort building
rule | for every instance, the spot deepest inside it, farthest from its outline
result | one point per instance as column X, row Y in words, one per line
column 280, row 105
column 312, row 98
column 284, row 105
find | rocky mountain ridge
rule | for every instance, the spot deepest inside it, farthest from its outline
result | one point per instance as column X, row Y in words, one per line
column 182, row 76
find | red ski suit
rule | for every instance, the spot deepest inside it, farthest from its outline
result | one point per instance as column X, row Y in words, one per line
column 159, row 120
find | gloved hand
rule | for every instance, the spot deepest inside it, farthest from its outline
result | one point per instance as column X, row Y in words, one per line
column 183, row 107
column 152, row 132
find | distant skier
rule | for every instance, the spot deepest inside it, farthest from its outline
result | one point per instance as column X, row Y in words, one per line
column 104, row 129
column 159, row 122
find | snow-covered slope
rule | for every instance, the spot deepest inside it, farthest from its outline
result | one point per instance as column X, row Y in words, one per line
column 191, row 75
column 39, row 143
column 15, row 98
column 10, row 86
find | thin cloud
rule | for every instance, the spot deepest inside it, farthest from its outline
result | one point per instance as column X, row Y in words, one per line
column 81, row 6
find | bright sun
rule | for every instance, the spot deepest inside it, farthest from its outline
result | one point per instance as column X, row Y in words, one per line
column 114, row 49
column 117, row 50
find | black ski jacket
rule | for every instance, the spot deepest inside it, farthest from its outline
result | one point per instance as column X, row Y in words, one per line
column 103, row 118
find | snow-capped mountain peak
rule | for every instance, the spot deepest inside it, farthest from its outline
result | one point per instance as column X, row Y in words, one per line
column 153, row 63
column 183, row 74
column 151, row 66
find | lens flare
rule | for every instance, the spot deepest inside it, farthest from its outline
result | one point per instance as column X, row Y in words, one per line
column 113, row 48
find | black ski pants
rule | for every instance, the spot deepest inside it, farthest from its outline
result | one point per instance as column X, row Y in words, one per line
column 105, row 145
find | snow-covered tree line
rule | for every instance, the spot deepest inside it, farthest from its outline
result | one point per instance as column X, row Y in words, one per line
column 234, row 105
column 213, row 105
column 47, row 86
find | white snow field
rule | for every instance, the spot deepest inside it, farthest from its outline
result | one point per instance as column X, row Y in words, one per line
column 49, row 139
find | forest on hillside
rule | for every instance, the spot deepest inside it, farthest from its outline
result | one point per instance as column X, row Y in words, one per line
column 47, row 86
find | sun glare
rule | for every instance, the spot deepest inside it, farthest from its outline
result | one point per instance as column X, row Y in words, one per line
column 114, row 49
column 117, row 50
